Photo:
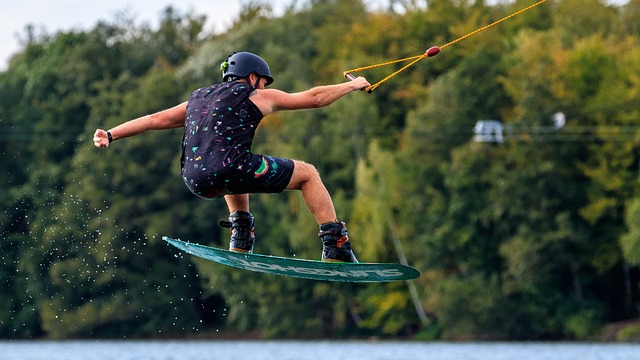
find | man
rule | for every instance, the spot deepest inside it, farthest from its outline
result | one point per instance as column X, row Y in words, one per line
column 220, row 123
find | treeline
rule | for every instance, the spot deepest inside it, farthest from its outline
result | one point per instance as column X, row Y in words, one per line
column 534, row 238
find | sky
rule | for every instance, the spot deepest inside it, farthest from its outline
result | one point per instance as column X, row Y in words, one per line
column 64, row 15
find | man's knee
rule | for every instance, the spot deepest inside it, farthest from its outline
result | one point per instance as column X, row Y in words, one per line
column 308, row 171
column 303, row 173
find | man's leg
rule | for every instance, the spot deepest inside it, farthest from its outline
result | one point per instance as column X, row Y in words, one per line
column 240, row 222
column 237, row 202
column 333, row 232
column 307, row 179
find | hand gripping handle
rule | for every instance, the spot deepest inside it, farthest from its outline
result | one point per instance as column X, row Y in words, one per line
column 352, row 77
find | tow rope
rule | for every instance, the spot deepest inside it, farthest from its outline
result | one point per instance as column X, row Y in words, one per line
column 432, row 51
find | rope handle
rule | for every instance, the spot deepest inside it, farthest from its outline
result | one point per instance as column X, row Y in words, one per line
column 432, row 51
column 352, row 77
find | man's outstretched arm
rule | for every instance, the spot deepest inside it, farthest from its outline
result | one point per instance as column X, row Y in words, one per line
column 165, row 119
column 270, row 100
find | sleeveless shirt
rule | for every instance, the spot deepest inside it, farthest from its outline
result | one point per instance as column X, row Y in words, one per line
column 220, row 124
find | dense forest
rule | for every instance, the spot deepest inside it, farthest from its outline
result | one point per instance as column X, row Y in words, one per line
column 535, row 237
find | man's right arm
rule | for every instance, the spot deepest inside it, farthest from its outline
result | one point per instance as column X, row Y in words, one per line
column 165, row 119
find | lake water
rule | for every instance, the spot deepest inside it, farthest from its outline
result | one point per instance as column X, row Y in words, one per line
column 307, row 350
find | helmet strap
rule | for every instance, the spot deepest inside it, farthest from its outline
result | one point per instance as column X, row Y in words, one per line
column 254, row 86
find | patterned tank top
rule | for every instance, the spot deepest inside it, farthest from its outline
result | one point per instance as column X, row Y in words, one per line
column 220, row 124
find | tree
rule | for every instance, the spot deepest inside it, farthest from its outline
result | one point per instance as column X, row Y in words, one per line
column 530, row 239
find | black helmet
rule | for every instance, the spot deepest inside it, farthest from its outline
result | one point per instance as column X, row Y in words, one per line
column 241, row 64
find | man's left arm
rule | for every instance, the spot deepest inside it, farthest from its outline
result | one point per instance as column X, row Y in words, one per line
column 319, row 96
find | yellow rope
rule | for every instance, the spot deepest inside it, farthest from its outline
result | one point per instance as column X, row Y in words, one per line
column 426, row 54
column 492, row 24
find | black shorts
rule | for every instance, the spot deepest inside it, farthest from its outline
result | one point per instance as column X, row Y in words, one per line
column 262, row 174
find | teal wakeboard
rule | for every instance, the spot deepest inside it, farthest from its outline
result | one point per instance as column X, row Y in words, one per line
column 306, row 269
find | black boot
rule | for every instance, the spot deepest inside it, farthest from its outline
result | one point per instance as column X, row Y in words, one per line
column 335, row 243
column 242, row 237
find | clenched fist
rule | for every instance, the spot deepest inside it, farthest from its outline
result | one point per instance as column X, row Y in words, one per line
column 101, row 138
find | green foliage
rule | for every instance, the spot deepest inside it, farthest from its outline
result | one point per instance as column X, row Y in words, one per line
column 630, row 333
column 583, row 324
column 530, row 239
column 630, row 242
column 387, row 309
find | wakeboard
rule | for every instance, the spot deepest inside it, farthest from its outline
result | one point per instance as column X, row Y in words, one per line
column 300, row 268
